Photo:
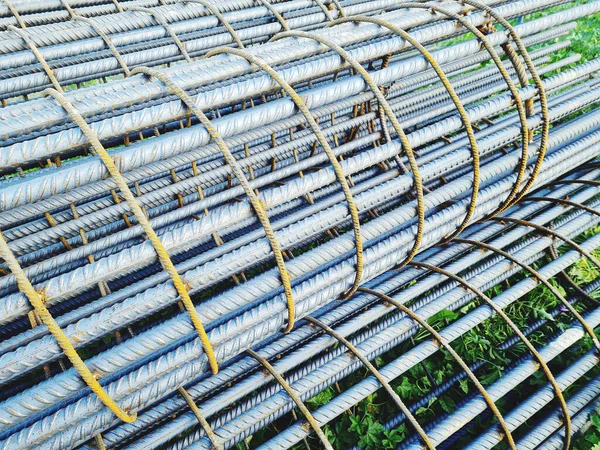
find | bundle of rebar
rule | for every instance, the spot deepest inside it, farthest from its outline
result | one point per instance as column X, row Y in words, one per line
column 190, row 252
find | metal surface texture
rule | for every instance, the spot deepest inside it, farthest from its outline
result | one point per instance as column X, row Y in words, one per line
column 266, row 201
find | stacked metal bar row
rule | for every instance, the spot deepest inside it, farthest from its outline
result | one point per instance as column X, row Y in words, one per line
column 144, row 33
column 376, row 327
column 120, row 307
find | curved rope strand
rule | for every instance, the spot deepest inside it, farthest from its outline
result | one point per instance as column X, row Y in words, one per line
column 444, row 343
column 213, row 10
column 212, row 437
column 239, row 174
column 337, row 168
column 36, row 52
column 295, row 398
column 525, row 132
column 588, row 329
column 417, row 180
column 386, row 386
column 37, row 302
column 455, row 99
column 143, row 221
column 107, row 40
column 517, row 331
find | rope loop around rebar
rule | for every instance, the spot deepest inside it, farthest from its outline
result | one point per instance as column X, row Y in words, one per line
column 237, row 170
column 406, row 146
column 524, row 81
column 212, row 437
column 15, row 13
column 107, row 40
column 498, row 310
column 386, row 386
column 277, row 14
column 461, row 362
column 316, row 129
column 295, row 398
column 454, row 97
column 37, row 302
column 525, row 132
column 542, row 279
column 215, row 12
column 23, row 34
column 143, row 221
column 158, row 17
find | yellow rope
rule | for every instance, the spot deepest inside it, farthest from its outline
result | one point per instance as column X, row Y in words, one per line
column 276, row 13
column 161, row 252
column 541, row 92
column 15, row 13
column 461, row 362
column 49, row 72
column 37, row 302
column 68, row 7
column 295, row 398
column 239, row 174
column 201, row 419
column 107, row 40
column 161, row 21
column 417, row 180
column 455, row 99
column 337, row 168
column 213, row 10
column 386, row 386
column 498, row 310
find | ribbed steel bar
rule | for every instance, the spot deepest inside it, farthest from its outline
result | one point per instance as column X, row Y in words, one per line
column 21, row 74
column 273, row 307
column 569, row 338
column 11, row 308
column 404, row 298
column 420, row 285
column 392, row 72
column 102, row 287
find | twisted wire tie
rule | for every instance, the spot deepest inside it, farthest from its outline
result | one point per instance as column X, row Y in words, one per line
column 144, row 222
column 36, row 52
column 107, row 40
column 518, row 332
column 15, row 13
column 337, row 168
column 388, row 388
column 161, row 21
column 444, row 343
column 214, row 440
column 296, row 399
column 37, row 302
